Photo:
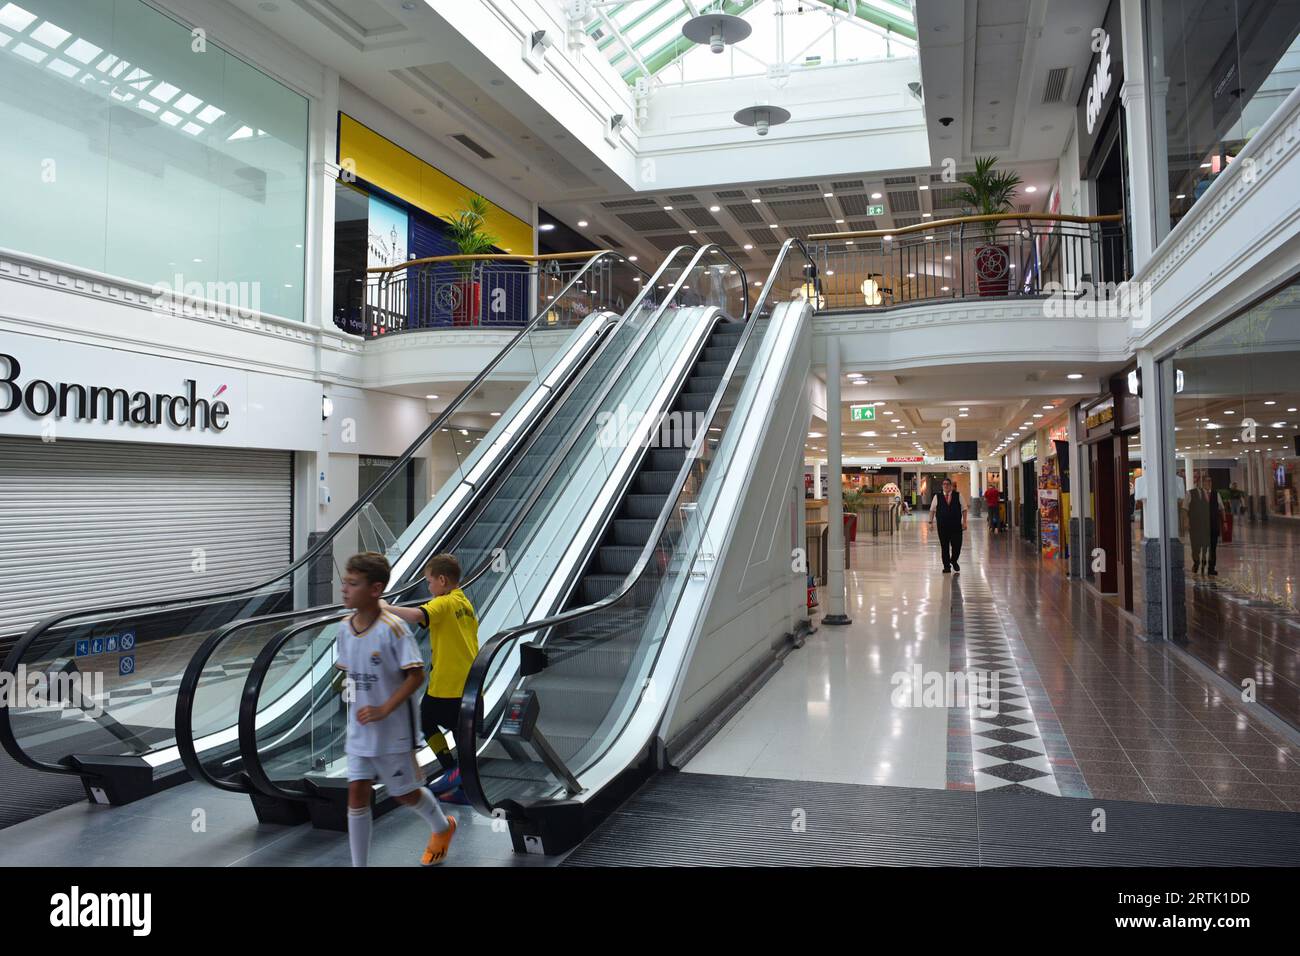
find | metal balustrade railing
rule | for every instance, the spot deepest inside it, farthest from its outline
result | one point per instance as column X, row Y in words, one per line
column 1001, row 256
column 453, row 292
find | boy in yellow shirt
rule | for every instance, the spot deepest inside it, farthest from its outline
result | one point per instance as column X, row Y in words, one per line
column 453, row 640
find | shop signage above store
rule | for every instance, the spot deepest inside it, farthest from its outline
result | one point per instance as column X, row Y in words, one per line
column 1028, row 449
column 1100, row 417
column 906, row 460
column 1104, row 79
column 51, row 389
column 863, row 413
column 107, row 403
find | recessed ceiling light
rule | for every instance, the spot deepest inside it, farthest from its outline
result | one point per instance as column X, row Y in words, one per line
column 546, row 226
column 1031, row 189
column 433, row 398
column 1075, row 375
column 1181, row 196
column 875, row 196
column 582, row 224
column 922, row 188
column 827, row 195
column 748, row 246
column 631, row 258
column 668, row 208
column 1049, row 408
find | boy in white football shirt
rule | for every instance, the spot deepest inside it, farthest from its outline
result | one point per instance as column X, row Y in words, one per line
column 384, row 670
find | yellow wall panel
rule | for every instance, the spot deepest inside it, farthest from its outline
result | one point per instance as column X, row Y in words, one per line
column 402, row 173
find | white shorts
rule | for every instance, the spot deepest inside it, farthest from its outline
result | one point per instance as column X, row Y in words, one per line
column 399, row 773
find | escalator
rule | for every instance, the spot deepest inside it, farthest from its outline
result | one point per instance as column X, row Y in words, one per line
column 122, row 741
column 209, row 693
column 569, row 713
column 597, row 480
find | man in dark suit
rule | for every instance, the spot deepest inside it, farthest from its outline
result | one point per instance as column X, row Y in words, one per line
column 948, row 515
column 1204, row 519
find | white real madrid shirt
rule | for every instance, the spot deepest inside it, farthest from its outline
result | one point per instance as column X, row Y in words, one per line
column 377, row 661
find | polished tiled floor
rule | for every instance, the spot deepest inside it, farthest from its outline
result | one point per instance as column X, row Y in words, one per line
column 1113, row 716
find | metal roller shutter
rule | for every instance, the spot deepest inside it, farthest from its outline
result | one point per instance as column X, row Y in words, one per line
column 99, row 523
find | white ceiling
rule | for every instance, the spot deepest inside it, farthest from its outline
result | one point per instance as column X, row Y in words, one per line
column 986, row 64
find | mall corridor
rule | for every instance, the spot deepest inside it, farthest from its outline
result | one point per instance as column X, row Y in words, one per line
column 1085, row 707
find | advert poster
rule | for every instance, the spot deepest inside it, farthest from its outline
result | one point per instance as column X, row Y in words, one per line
column 1049, row 509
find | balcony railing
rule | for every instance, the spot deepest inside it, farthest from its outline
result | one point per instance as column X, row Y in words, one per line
column 451, row 292
column 999, row 256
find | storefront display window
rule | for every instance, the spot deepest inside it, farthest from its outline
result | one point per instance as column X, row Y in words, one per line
column 1218, row 71
column 1233, row 498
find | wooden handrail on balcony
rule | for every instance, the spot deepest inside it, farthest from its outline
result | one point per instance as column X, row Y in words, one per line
column 504, row 257
column 960, row 220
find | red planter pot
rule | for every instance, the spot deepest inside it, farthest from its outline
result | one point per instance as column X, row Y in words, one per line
column 992, row 269
column 468, row 303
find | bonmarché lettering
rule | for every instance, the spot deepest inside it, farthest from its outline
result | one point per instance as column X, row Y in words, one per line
column 106, row 403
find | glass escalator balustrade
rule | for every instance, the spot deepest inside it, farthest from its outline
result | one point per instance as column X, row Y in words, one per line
column 599, row 654
column 524, row 524
column 138, row 702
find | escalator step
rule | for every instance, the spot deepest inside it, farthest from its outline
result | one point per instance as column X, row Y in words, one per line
column 666, row 459
column 617, row 559
column 702, row 384
column 643, row 506
column 634, row 531
column 710, row 369
column 694, row 401
column 655, row 482
column 596, row 587
column 715, row 354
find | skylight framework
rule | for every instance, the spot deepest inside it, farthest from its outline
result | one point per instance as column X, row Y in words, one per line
column 643, row 38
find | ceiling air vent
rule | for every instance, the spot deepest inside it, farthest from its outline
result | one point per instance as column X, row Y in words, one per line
column 472, row 146
column 610, row 241
column 899, row 180
column 1054, row 90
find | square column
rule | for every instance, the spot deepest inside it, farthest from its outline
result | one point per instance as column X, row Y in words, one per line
column 834, row 491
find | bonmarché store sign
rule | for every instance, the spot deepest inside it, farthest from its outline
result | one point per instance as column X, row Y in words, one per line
column 106, row 403
column 52, row 390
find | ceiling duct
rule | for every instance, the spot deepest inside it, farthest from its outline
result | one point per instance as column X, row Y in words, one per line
column 1057, row 80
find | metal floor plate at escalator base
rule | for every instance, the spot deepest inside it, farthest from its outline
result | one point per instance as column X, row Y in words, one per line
column 689, row 819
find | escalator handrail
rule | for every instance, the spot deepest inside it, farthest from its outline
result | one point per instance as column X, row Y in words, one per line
column 187, row 691
column 472, row 700
column 189, row 685
column 251, row 767
column 17, row 653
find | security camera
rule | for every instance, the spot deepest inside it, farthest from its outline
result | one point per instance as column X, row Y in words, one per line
column 542, row 40
column 617, row 121
column 915, row 87
column 945, row 120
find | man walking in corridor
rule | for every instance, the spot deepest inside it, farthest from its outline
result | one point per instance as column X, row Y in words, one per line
column 948, row 514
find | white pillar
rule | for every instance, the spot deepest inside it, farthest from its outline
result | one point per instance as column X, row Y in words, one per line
column 835, row 490
column 817, row 479
column 1141, row 188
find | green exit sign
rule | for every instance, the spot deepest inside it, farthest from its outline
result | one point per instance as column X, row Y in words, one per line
column 864, row 413
column 875, row 210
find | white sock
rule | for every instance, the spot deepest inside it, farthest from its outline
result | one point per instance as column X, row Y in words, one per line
column 360, row 823
column 429, row 810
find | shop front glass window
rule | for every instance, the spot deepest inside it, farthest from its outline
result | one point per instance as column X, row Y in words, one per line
column 1218, row 71
column 135, row 149
column 1234, row 497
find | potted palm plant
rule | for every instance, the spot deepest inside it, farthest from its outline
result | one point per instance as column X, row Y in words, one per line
column 989, row 192
column 465, row 229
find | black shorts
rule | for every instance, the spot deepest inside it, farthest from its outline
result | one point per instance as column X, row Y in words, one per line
column 439, row 712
